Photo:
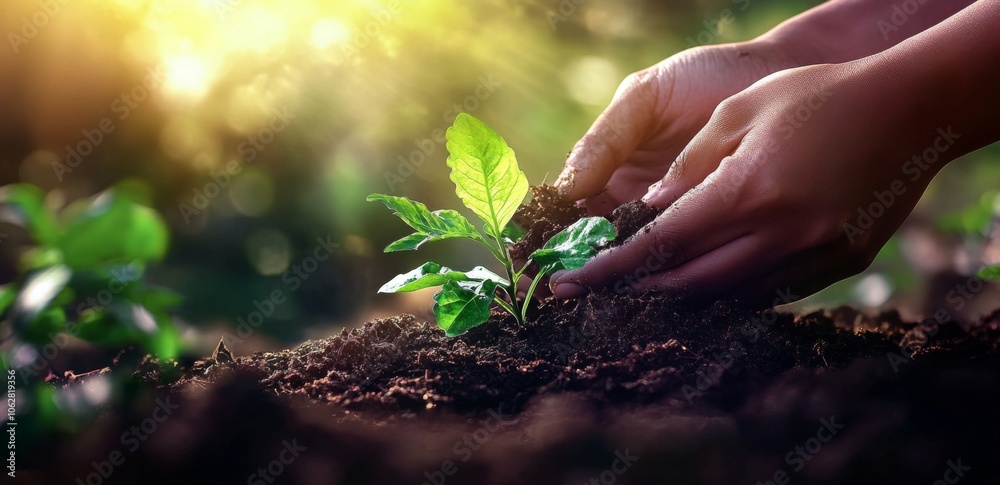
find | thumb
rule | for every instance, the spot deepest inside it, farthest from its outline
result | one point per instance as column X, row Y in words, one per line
column 612, row 138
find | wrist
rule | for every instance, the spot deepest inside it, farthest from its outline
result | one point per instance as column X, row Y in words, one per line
column 844, row 30
column 830, row 33
column 941, row 78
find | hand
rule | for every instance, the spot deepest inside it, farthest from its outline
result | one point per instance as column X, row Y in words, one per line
column 654, row 114
column 795, row 182
column 657, row 111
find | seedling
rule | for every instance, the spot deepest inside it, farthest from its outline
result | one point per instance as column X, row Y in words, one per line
column 490, row 184
column 83, row 274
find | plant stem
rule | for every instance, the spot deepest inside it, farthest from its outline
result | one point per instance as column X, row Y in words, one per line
column 505, row 305
column 531, row 291
column 493, row 250
column 515, row 306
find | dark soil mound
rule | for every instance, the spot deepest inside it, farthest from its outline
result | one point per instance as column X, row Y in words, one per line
column 547, row 213
column 611, row 348
column 542, row 217
column 695, row 399
column 626, row 389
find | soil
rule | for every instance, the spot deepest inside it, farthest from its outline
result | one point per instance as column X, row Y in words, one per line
column 627, row 389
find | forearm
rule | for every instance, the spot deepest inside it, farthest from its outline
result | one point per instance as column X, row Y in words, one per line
column 844, row 30
column 952, row 71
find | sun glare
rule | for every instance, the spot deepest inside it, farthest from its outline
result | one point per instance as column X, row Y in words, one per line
column 187, row 77
column 327, row 32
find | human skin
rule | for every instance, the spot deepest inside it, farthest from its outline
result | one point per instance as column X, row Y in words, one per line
column 657, row 111
column 759, row 204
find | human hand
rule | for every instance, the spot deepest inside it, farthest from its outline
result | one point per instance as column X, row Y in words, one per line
column 775, row 190
column 654, row 114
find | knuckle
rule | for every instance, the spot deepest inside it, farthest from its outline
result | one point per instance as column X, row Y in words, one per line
column 729, row 187
column 731, row 110
column 667, row 249
column 638, row 81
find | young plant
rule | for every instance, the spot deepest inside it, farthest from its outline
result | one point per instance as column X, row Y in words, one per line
column 490, row 184
column 83, row 274
column 80, row 275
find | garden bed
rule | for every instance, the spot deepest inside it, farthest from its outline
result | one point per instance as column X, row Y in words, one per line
column 612, row 387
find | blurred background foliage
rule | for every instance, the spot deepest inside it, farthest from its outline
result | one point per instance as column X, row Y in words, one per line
column 257, row 127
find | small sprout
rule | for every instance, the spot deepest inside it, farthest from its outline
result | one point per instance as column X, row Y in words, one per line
column 490, row 184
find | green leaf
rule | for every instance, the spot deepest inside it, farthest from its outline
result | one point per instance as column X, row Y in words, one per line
column 122, row 323
column 485, row 171
column 46, row 324
column 989, row 273
column 8, row 294
column 432, row 274
column 480, row 273
column 159, row 299
column 113, row 229
column 511, row 234
column 24, row 205
column 40, row 257
column 39, row 290
column 430, row 226
column 463, row 305
column 102, row 327
column 974, row 220
column 165, row 343
column 426, row 276
column 572, row 247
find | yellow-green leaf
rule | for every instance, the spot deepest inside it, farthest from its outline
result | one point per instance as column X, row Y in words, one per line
column 485, row 172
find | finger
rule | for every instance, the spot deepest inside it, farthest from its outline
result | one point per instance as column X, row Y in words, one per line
column 754, row 271
column 612, row 138
column 700, row 221
column 714, row 273
column 706, row 152
column 738, row 269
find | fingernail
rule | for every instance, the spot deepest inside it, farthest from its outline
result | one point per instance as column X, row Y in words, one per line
column 568, row 290
column 565, row 289
column 653, row 190
column 565, row 181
